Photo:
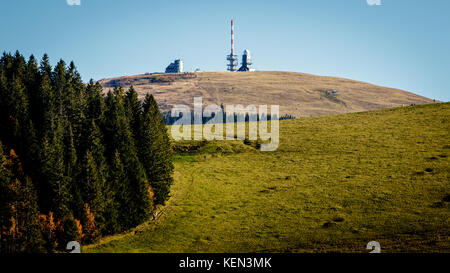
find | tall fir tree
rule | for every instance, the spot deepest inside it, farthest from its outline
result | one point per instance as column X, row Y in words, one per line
column 155, row 150
column 117, row 127
column 133, row 108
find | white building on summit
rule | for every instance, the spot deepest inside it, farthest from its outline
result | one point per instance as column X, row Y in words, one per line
column 175, row 67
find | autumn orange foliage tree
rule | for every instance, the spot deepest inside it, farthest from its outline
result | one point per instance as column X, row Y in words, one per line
column 90, row 232
column 19, row 218
column 48, row 229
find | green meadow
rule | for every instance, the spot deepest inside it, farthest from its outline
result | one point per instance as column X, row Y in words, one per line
column 334, row 184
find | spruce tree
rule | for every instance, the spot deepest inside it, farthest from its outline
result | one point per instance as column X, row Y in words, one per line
column 155, row 150
column 93, row 188
column 133, row 110
column 119, row 138
column 118, row 205
column 95, row 101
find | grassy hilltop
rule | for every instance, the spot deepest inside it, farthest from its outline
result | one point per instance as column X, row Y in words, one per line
column 335, row 183
column 298, row 94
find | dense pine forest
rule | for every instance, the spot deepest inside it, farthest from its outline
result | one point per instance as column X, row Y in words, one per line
column 75, row 164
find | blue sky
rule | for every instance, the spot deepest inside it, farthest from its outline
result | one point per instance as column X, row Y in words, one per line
column 402, row 43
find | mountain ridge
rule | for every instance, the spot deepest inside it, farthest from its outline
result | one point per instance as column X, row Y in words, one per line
column 297, row 94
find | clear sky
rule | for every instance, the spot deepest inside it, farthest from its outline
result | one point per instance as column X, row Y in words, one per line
column 401, row 43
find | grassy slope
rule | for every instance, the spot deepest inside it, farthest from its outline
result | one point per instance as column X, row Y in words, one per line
column 298, row 94
column 379, row 175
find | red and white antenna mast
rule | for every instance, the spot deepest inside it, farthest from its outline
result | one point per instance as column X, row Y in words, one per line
column 232, row 37
column 232, row 59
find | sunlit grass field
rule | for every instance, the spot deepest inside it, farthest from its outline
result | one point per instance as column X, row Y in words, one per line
column 334, row 184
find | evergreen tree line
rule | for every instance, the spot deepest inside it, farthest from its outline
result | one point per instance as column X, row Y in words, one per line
column 75, row 164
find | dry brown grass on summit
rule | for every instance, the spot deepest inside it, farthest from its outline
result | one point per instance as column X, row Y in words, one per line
column 298, row 94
